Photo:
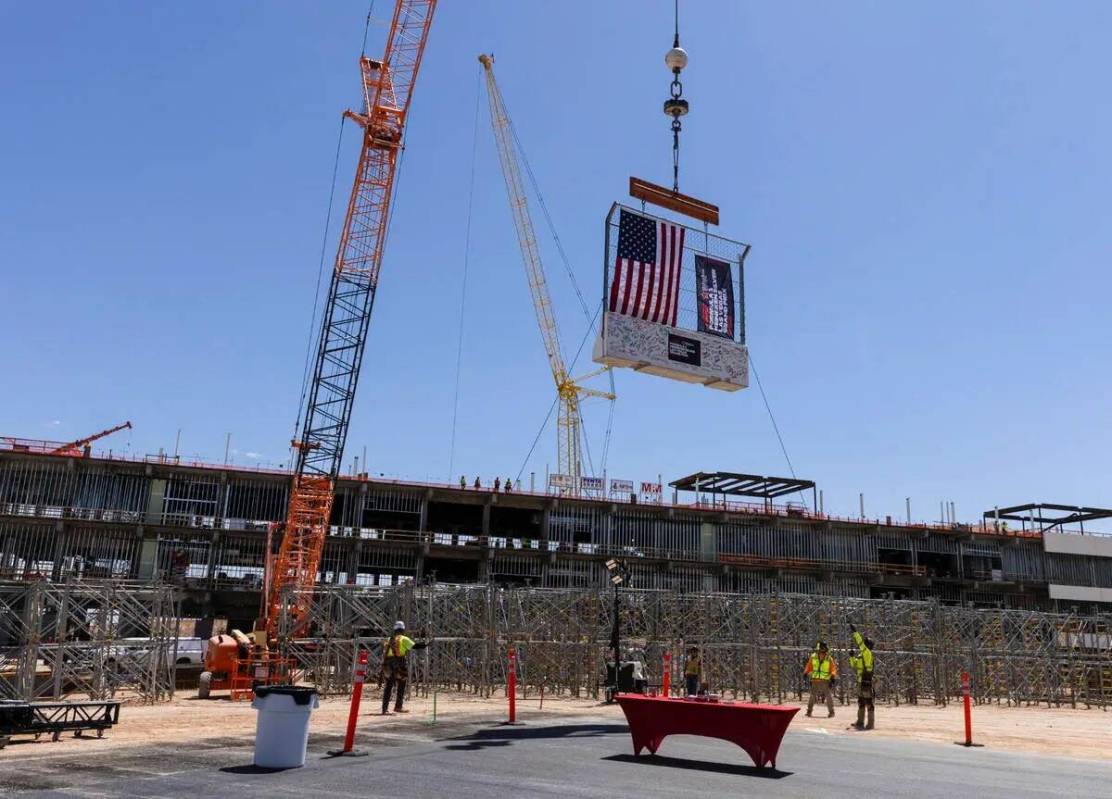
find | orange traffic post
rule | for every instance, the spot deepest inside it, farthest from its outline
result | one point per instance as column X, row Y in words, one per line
column 353, row 714
column 966, row 700
column 666, row 684
column 511, row 686
column 968, row 714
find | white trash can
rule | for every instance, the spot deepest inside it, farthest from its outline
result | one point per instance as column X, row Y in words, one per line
column 282, row 730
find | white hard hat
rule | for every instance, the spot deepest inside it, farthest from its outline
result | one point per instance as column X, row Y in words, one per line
column 399, row 625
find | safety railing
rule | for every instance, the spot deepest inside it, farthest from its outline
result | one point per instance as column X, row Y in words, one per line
column 810, row 564
column 477, row 540
column 789, row 510
column 33, row 446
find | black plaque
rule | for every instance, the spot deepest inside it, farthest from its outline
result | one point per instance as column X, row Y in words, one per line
column 685, row 350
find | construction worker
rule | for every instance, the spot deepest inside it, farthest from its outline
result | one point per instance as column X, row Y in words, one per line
column 862, row 663
column 478, row 484
column 462, row 481
column 395, row 669
column 509, row 485
column 692, row 671
column 497, row 484
column 823, row 672
column 179, row 566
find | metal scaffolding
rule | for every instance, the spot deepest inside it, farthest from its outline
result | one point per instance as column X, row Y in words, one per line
column 754, row 646
column 93, row 638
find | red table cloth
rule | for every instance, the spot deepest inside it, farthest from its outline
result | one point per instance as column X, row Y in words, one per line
column 758, row 729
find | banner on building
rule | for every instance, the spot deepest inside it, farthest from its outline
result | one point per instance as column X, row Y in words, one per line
column 621, row 487
column 715, row 290
column 593, row 485
column 561, row 481
column 652, row 492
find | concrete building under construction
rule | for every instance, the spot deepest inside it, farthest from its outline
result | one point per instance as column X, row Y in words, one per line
column 205, row 528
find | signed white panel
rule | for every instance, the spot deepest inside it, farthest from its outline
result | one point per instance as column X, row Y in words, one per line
column 686, row 355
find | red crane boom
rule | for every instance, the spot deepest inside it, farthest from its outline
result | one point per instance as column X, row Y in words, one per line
column 387, row 90
column 80, row 446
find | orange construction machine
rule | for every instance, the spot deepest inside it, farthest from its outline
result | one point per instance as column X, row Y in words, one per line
column 237, row 661
column 82, row 447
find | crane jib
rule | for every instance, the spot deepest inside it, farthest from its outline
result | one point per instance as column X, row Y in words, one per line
column 387, row 91
column 569, row 391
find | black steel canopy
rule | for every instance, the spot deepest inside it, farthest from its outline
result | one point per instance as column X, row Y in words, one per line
column 742, row 485
column 1049, row 515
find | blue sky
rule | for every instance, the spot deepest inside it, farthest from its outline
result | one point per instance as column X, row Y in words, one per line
column 925, row 186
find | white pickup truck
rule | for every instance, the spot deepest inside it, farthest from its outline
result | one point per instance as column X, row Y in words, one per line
column 190, row 651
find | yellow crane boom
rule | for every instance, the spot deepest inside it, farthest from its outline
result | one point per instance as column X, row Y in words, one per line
column 568, row 425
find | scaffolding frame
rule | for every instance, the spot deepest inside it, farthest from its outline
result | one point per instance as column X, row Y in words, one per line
column 94, row 638
column 754, row 646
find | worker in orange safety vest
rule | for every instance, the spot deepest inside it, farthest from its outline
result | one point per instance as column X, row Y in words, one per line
column 823, row 672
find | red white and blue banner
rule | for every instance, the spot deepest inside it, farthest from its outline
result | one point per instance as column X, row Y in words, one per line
column 646, row 281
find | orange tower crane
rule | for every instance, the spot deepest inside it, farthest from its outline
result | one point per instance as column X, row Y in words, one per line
column 387, row 91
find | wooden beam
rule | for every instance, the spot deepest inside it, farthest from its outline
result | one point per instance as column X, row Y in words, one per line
column 673, row 201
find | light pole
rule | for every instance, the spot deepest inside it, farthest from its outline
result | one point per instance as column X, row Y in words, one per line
column 618, row 575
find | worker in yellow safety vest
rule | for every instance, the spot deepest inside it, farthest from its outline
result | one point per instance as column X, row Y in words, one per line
column 862, row 663
column 395, row 669
column 823, row 672
column 692, row 671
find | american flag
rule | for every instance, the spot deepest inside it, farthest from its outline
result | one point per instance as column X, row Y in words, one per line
column 646, row 280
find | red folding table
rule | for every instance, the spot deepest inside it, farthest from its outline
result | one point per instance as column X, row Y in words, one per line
column 758, row 729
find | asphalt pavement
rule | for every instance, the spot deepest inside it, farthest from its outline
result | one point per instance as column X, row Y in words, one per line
column 566, row 758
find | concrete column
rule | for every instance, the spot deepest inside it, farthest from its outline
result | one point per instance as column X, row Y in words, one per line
column 360, row 506
column 222, row 503
column 156, row 502
column 486, row 517
column 708, row 544
column 147, row 567
column 545, row 519
column 214, row 545
column 423, row 522
column 353, row 561
column 7, row 557
column 61, row 541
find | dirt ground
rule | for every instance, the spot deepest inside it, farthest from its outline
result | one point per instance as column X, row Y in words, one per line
column 1061, row 732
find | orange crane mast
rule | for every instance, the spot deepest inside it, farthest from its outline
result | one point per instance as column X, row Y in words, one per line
column 387, row 91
